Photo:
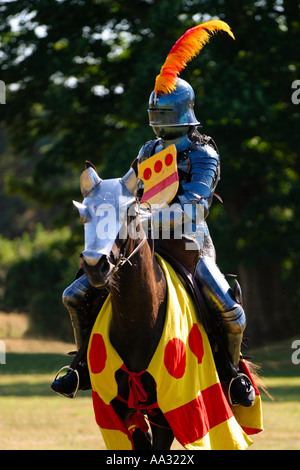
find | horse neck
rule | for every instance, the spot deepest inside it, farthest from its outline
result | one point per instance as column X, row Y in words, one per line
column 138, row 297
column 138, row 288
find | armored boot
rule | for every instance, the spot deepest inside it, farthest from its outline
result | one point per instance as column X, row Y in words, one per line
column 83, row 303
column 230, row 315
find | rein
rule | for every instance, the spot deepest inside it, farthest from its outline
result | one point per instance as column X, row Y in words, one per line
column 123, row 259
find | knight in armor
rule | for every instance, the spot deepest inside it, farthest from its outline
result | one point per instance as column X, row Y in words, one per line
column 172, row 118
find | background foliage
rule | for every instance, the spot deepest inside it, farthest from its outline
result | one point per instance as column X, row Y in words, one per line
column 78, row 76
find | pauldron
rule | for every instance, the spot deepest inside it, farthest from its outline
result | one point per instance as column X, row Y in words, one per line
column 199, row 173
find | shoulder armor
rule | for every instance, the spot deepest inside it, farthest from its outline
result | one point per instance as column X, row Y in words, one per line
column 202, row 139
column 204, row 172
column 204, row 159
column 147, row 150
column 203, row 153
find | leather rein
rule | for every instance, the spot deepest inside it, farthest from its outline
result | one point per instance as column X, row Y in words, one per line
column 122, row 258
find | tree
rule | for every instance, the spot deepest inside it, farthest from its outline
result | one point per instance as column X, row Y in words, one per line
column 246, row 101
column 69, row 98
column 80, row 75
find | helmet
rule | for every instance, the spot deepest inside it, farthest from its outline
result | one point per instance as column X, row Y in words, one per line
column 171, row 104
column 173, row 109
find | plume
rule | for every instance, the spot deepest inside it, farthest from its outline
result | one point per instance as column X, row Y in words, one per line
column 184, row 50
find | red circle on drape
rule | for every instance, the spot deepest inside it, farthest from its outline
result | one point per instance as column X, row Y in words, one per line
column 196, row 342
column 97, row 354
column 175, row 358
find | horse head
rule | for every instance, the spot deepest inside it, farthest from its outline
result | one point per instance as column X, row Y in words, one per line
column 104, row 211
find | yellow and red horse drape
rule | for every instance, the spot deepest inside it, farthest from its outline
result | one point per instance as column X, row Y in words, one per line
column 189, row 392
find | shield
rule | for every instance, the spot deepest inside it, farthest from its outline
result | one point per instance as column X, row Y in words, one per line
column 160, row 177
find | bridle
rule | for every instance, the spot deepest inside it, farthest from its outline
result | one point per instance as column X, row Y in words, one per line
column 122, row 259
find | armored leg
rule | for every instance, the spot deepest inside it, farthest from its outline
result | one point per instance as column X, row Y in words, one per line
column 78, row 299
column 83, row 303
column 222, row 302
column 220, row 299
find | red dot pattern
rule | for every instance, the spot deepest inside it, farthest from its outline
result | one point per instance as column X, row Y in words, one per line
column 147, row 173
column 169, row 159
column 158, row 166
column 175, row 352
column 175, row 358
column 97, row 354
column 196, row 343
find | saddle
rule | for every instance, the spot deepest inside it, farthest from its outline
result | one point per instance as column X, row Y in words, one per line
column 184, row 262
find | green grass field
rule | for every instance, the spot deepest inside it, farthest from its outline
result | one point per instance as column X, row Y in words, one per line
column 32, row 417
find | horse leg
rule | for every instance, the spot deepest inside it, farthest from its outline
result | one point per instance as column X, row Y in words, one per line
column 141, row 440
column 162, row 434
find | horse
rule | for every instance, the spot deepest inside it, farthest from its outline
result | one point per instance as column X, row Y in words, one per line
column 119, row 256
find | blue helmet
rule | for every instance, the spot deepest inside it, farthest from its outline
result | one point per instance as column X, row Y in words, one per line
column 173, row 113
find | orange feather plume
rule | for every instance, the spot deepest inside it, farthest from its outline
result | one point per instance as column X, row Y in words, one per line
column 185, row 49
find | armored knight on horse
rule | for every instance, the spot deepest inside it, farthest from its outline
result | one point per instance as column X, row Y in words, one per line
column 172, row 118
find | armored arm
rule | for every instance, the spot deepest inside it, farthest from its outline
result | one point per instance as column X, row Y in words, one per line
column 199, row 173
column 203, row 177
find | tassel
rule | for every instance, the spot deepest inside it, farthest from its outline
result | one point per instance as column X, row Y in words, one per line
column 184, row 50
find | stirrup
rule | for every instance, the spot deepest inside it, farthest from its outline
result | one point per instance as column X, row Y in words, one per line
column 233, row 403
column 77, row 386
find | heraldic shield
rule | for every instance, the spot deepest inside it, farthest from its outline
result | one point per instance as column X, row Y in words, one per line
column 160, row 177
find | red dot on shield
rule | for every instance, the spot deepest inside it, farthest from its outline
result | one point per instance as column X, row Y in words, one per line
column 158, row 166
column 147, row 173
column 169, row 159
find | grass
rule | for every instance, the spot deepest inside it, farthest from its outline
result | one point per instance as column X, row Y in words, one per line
column 281, row 415
column 32, row 417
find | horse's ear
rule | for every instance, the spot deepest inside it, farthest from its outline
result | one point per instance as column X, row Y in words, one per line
column 83, row 211
column 89, row 165
column 130, row 181
column 89, row 179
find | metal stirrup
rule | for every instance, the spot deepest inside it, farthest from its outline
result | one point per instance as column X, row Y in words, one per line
column 229, row 387
column 77, row 386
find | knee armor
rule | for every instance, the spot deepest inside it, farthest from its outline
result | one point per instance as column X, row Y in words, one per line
column 221, row 300
column 78, row 298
